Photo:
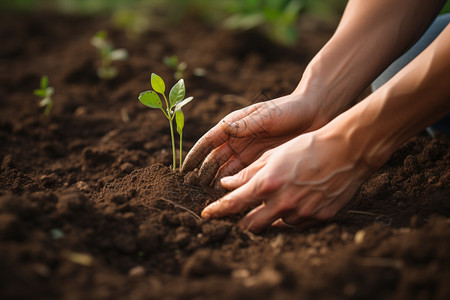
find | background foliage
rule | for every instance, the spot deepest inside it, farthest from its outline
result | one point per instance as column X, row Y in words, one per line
column 277, row 19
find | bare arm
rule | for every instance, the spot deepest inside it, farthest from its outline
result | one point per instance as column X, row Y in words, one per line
column 370, row 36
column 417, row 97
column 315, row 174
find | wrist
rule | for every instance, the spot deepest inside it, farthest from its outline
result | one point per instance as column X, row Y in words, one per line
column 321, row 95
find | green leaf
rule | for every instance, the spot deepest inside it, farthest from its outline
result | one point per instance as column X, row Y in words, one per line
column 150, row 99
column 183, row 103
column 44, row 82
column 158, row 84
column 179, row 118
column 177, row 93
column 40, row 93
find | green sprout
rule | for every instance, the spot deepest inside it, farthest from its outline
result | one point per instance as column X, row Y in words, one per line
column 173, row 63
column 46, row 93
column 107, row 54
column 172, row 109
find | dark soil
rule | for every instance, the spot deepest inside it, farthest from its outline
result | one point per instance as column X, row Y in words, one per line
column 90, row 210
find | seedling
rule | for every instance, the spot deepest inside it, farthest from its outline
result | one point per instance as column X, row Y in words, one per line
column 107, row 54
column 46, row 93
column 172, row 109
column 173, row 63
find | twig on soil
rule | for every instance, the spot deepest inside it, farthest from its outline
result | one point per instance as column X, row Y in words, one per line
column 362, row 213
column 381, row 262
column 149, row 207
column 182, row 207
column 377, row 219
column 250, row 235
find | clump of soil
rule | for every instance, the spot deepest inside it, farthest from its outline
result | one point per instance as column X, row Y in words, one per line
column 89, row 208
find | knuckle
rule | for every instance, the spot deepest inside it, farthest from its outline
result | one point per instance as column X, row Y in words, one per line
column 268, row 185
column 231, row 206
column 306, row 211
column 287, row 204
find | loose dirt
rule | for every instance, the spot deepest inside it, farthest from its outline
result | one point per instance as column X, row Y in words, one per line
column 89, row 208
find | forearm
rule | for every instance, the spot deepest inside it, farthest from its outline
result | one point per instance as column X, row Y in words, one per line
column 369, row 37
column 417, row 97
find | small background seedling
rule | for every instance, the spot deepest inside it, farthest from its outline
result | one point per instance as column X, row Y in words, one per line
column 172, row 109
column 107, row 54
column 174, row 63
column 46, row 93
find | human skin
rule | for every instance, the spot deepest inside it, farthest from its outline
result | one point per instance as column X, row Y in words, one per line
column 302, row 157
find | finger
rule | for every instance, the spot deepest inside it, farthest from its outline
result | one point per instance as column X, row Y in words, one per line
column 211, row 140
column 215, row 137
column 301, row 225
column 231, row 167
column 213, row 162
column 243, row 176
column 260, row 218
column 257, row 120
column 232, row 203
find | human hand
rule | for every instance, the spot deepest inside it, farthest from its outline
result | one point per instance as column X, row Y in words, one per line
column 311, row 177
column 244, row 135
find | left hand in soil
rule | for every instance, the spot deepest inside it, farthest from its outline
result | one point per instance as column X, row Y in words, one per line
column 309, row 178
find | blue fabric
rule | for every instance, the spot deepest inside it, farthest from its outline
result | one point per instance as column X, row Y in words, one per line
column 432, row 32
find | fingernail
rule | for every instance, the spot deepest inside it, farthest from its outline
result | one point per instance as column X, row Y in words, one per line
column 205, row 214
column 226, row 180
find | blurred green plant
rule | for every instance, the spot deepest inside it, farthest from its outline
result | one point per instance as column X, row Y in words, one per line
column 177, row 66
column 446, row 8
column 45, row 92
column 133, row 21
column 276, row 18
column 107, row 55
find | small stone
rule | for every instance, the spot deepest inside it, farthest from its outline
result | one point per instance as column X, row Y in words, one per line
column 137, row 271
column 49, row 180
column 126, row 168
column 74, row 200
column 240, row 274
column 8, row 161
column 359, row 237
column 267, row 277
column 83, row 186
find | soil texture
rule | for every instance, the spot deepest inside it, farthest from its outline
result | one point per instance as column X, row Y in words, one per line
column 89, row 208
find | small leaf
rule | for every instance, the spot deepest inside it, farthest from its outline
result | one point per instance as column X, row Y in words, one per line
column 179, row 118
column 183, row 103
column 39, row 93
column 44, row 82
column 158, row 84
column 150, row 99
column 177, row 93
